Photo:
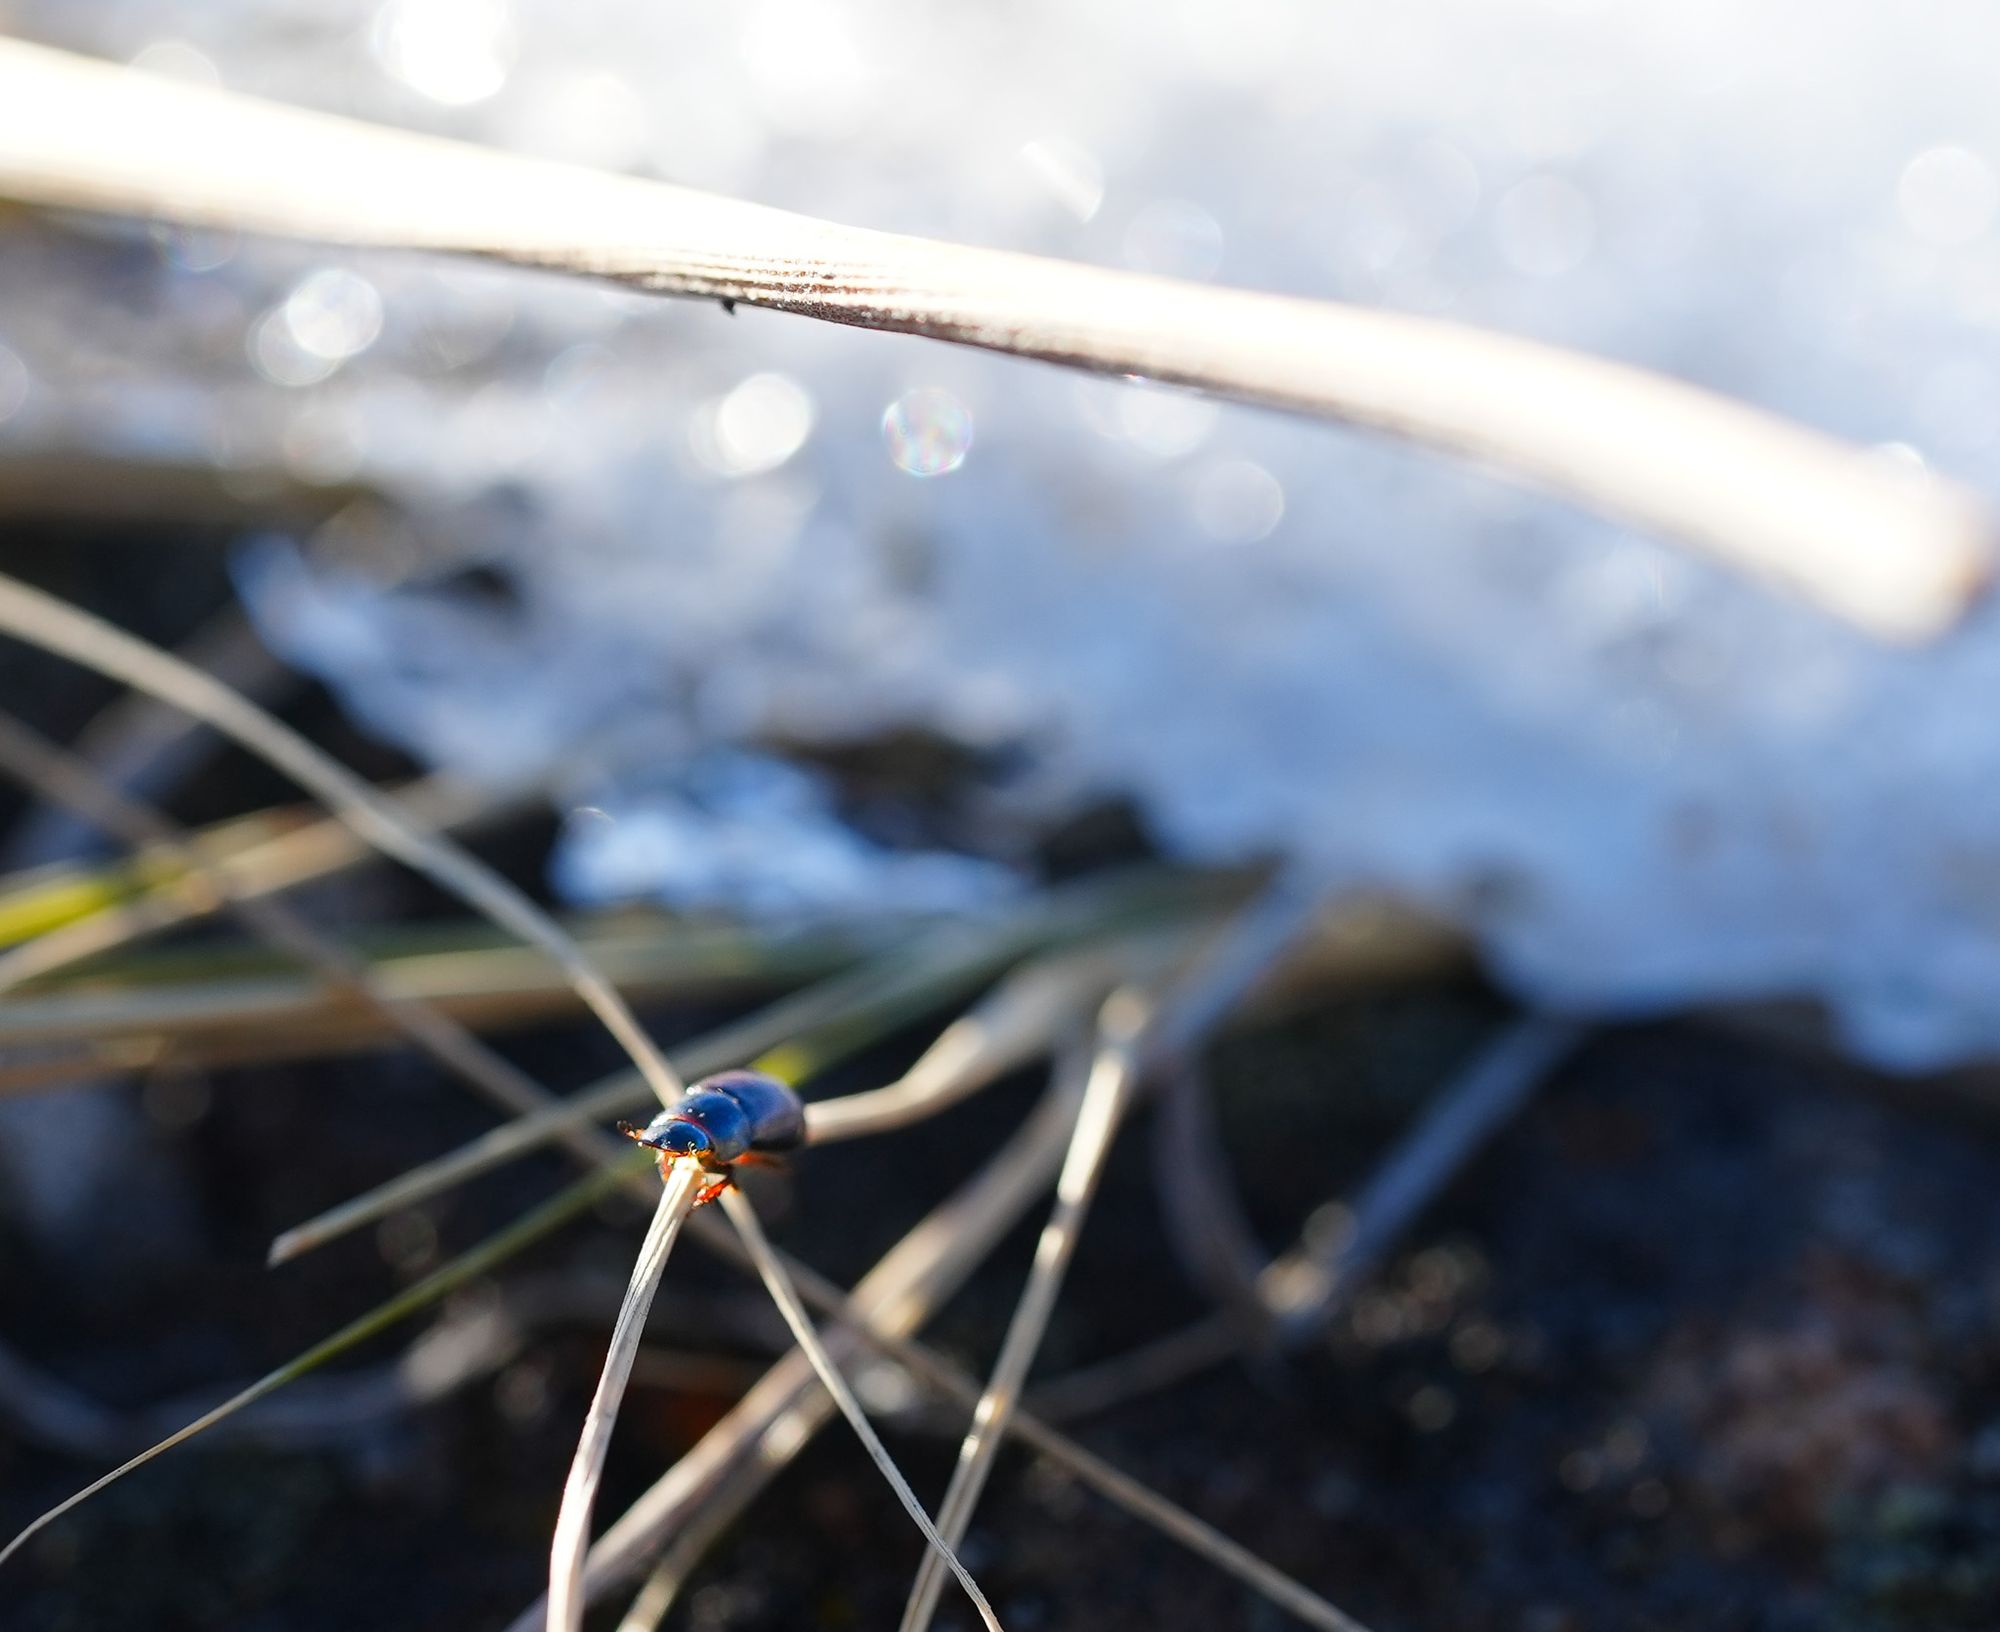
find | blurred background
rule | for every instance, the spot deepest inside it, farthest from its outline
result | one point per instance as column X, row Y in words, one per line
column 803, row 630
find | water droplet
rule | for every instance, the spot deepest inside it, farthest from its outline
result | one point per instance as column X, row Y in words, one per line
column 176, row 59
column 1165, row 424
column 194, row 249
column 928, row 432
column 280, row 358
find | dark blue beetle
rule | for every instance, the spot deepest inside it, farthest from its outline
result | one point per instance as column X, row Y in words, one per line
column 731, row 1117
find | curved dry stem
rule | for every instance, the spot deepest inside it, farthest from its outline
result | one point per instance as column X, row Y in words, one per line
column 1111, row 1076
column 813, row 1027
column 55, row 626
column 779, row 1415
column 785, row 1295
column 1305, row 1287
column 715, row 1480
column 586, row 1470
column 1011, row 1026
column 1902, row 557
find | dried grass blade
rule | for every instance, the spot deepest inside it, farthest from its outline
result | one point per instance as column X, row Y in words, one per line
column 1767, row 496
column 572, row 1532
column 1111, row 1068
column 785, row 1295
column 53, row 625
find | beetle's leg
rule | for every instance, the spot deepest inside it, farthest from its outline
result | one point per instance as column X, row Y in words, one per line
column 762, row 1158
column 709, row 1192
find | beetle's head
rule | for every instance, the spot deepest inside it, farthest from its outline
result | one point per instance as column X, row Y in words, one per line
column 671, row 1135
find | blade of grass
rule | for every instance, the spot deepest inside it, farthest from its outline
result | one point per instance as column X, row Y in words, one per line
column 67, row 780
column 716, row 1481
column 785, row 1295
column 214, row 1001
column 1110, row 1064
column 137, row 743
column 51, row 624
column 786, row 1407
column 1310, row 1284
column 1304, row 1287
column 468, row 1266
column 1006, row 1029
column 792, row 1039
column 572, row 1532
column 1136, row 1031
column 259, row 866
column 1766, row 496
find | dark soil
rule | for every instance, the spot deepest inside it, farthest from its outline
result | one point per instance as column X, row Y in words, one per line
column 1709, row 1339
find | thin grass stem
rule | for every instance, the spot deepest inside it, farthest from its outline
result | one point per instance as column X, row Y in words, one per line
column 1769, row 497
column 52, row 624
column 572, row 1532
column 62, row 778
column 467, row 1266
column 92, row 914
column 793, row 1038
column 1109, row 1063
column 785, row 1295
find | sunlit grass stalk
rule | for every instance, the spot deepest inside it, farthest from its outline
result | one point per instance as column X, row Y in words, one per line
column 572, row 1531
column 62, row 777
column 715, row 1481
column 468, row 1266
column 801, row 1035
column 1309, row 1284
column 53, row 625
column 1789, row 505
column 285, row 857
column 744, row 1217
column 786, row 1407
column 1107, row 1093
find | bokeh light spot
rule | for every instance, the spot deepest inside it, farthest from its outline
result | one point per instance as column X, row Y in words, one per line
column 756, row 427
column 928, row 432
column 456, row 52
column 1238, row 502
column 1948, row 196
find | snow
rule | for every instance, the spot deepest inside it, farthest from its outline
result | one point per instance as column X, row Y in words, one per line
column 1640, row 783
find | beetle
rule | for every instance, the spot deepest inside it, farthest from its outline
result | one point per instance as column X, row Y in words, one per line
column 731, row 1117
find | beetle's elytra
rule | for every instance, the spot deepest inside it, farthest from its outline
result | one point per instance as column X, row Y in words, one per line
column 731, row 1117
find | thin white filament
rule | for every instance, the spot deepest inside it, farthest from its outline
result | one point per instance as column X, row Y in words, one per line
column 786, row 1296
column 586, row 1469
